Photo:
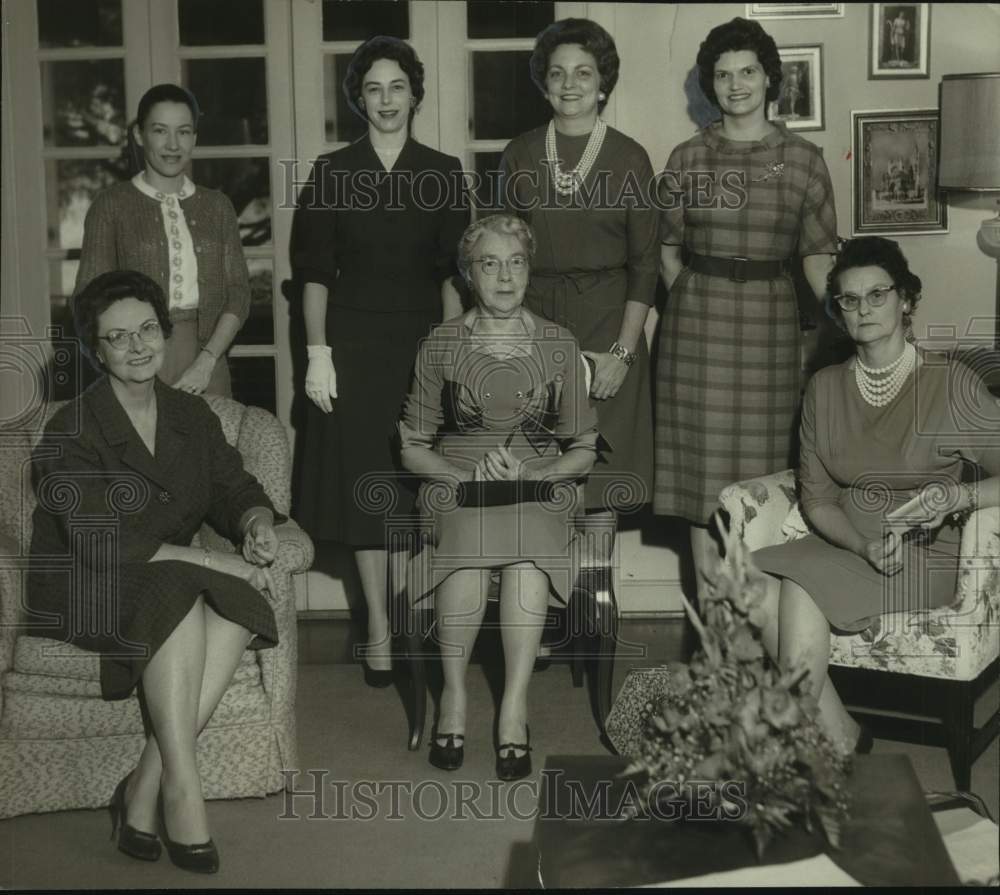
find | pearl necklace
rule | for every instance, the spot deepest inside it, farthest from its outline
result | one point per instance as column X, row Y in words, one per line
column 568, row 182
column 879, row 391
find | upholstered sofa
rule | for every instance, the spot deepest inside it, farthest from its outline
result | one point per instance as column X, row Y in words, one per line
column 61, row 745
column 954, row 648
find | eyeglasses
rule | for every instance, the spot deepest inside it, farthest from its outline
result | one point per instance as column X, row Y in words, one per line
column 848, row 301
column 121, row 339
column 491, row 266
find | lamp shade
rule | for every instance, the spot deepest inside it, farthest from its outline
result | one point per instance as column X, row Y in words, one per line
column 970, row 132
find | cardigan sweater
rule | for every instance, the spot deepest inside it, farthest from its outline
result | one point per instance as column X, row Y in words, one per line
column 124, row 231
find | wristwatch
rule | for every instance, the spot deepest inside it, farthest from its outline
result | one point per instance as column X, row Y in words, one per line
column 622, row 353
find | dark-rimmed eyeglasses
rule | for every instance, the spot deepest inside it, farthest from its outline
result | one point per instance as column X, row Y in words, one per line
column 121, row 339
column 875, row 298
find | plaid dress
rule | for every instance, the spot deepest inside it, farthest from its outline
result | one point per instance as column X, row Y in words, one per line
column 727, row 378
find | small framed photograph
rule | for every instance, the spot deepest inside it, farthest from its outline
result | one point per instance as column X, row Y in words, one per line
column 800, row 103
column 795, row 10
column 900, row 41
column 894, row 157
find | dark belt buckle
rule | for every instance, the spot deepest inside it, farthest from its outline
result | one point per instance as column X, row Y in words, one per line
column 737, row 270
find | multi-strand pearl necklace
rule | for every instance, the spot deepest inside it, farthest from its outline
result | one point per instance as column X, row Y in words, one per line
column 880, row 385
column 568, row 182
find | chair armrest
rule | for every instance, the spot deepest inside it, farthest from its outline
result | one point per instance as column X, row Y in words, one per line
column 979, row 565
column 758, row 507
column 295, row 548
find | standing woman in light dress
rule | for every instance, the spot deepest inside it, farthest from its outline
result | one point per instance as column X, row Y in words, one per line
column 582, row 186
column 727, row 378
column 376, row 254
column 185, row 238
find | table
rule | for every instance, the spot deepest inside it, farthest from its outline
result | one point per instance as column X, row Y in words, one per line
column 890, row 840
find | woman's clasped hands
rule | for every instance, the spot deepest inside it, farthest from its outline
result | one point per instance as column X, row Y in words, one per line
column 499, row 465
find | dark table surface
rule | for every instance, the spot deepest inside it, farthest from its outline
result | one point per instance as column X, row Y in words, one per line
column 890, row 840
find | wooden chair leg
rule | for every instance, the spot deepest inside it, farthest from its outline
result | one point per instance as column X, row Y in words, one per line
column 418, row 676
column 960, row 729
column 607, row 638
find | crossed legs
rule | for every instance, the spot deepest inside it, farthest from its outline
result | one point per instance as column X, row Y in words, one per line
column 182, row 684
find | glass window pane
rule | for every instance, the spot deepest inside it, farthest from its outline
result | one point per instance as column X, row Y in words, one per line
column 361, row 19
column 342, row 124
column 247, row 182
column 505, row 100
column 259, row 328
column 253, row 381
column 79, row 23
column 232, row 94
column 83, row 103
column 487, row 196
column 70, row 187
column 220, row 22
column 513, row 18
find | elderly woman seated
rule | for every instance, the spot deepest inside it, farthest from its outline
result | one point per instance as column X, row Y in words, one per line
column 499, row 425
column 167, row 617
column 890, row 455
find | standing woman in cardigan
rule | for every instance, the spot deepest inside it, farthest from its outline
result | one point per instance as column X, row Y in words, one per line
column 746, row 195
column 186, row 238
column 582, row 186
column 377, row 232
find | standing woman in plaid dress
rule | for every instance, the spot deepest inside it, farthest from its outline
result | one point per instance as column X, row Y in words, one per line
column 727, row 380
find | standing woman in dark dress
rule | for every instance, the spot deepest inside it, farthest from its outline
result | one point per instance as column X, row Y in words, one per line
column 727, row 380
column 377, row 234
column 582, row 186
column 185, row 237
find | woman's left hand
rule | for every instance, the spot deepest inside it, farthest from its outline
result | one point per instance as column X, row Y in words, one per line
column 260, row 543
column 500, row 465
column 195, row 378
column 609, row 374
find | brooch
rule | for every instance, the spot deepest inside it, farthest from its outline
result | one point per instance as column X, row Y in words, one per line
column 774, row 169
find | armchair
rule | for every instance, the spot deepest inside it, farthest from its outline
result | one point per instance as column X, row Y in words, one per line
column 954, row 650
column 61, row 745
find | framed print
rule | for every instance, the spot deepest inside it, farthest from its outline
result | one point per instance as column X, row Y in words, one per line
column 894, row 156
column 795, row 10
column 900, row 41
column 800, row 103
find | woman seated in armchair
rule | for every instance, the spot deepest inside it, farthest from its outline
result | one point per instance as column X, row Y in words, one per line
column 499, row 425
column 168, row 617
column 888, row 466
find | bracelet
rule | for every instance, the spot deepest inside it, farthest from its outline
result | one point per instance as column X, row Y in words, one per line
column 972, row 499
column 210, row 353
column 622, row 353
column 206, row 560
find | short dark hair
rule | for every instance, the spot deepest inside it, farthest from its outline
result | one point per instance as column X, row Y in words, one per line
column 106, row 289
column 365, row 56
column 873, row 251
column 735, row 35
column 589, row 35
column 166, row 93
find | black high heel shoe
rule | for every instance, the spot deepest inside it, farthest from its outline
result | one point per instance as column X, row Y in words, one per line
column 448, row 757
column 377, row 679
column 134, row 843
column 200, row 857
column 512, row 766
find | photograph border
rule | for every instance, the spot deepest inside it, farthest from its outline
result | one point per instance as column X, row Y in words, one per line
column 817, row 121
column 794, row 10
column 861, row 175
column 923, row 69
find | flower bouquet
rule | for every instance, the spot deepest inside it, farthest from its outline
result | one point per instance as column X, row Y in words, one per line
column 733, row 720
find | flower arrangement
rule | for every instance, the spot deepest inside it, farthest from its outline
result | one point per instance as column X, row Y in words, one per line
column 732, row 715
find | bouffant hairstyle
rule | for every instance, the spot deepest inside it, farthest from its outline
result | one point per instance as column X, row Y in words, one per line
column 589, row 35
column 873, row 251
column 738, row 34
column 505, row 225
column 365, row 56
column 166, row 93
column 102, row 292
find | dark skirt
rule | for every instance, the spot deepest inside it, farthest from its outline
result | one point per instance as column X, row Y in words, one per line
column 351, row 476
column 727, row 389
column 181, row 350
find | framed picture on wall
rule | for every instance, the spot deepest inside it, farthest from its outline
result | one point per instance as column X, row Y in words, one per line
column 900, row 41
column 795, row 10
column 894, row 156
column 800, row 103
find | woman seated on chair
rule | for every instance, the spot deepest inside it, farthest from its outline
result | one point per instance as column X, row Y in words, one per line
column 499, row 425
column 896, row 445
column 168, row 617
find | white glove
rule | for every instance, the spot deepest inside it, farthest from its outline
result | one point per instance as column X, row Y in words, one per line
column 321, row 378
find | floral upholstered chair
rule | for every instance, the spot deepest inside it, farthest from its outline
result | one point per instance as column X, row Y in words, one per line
column 61, row 745
column 955, row 648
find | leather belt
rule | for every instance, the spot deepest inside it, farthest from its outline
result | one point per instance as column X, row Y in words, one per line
column 739, row 270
